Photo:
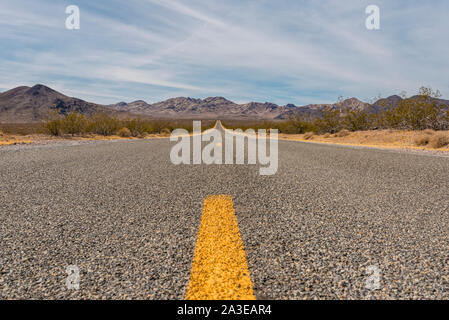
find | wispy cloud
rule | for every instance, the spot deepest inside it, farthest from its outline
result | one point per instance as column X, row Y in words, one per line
column 285, row 51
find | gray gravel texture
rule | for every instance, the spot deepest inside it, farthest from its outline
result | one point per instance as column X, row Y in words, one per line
column 128, row 218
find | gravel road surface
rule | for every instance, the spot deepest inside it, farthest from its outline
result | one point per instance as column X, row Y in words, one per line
column 329, row 221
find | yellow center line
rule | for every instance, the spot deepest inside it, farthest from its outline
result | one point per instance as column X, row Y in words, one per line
column 219, row 270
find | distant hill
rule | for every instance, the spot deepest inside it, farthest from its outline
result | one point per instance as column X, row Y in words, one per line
column 29, row 104
column 209, row 108
column 393, row 101
column 343, row 106
column 387, row 103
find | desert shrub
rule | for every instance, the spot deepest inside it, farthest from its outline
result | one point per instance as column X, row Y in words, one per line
column 165, row 131
column 343, row 133
column 422, row 140
column 309, row 135
column 330, row 122
column 53, row 127
column 124, row 132
column 158, row 126
column 439, row 141
column 103, row 124
column 356, row 120
column 376, row 121
column 74, row 123
column 302, row 125
column 290, row 129
column 149, row 129
column 53, row 124
column 138, row 126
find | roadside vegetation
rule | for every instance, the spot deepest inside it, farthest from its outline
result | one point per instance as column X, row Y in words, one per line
column 423, row 115
column 75, row 124
column 99, row 126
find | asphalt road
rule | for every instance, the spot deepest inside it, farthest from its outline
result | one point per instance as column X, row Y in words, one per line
column 128, row 218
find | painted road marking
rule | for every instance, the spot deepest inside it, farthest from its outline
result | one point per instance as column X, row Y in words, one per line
column 219, row 268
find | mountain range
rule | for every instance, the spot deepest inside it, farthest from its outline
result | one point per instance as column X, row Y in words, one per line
column 31, row 104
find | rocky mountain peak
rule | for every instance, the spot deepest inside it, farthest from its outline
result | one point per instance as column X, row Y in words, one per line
column 40, row 89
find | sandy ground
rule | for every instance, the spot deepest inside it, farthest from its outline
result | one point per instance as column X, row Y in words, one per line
column 40, row 139
column 391, row 139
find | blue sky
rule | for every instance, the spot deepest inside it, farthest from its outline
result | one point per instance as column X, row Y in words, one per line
column 283, row 51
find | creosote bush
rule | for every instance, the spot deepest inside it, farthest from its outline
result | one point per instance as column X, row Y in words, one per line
column 53, row 124
column 74, row 123
column 439, row 140
column 422, row 140
column 124, row 132
column 103, row 124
